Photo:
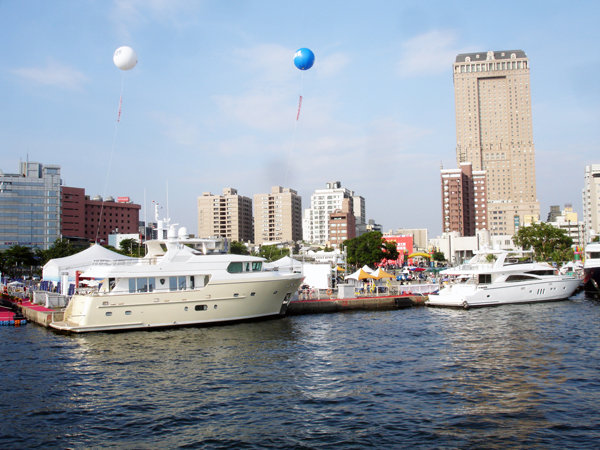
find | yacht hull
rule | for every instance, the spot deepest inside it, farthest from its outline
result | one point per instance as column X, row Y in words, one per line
column 468, row 296
column 215, row 303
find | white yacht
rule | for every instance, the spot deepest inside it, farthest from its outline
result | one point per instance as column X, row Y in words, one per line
column 175, row 285
column 498, row 277
column 591, row 270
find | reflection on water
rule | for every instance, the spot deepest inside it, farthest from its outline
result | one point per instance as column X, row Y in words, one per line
column 512, row 376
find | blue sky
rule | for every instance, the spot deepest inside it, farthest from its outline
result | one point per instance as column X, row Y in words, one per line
column 212, row 102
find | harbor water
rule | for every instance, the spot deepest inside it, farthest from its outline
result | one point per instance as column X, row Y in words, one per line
column 514, row 376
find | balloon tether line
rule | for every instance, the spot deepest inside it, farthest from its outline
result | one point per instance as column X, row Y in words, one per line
column 112, row 151
column 295, row 128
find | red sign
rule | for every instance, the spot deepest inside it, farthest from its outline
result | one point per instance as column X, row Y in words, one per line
column 122, row 199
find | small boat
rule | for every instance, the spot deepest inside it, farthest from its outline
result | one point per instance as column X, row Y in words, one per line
column 498, row 277
column 176, row 285
column 591, row 270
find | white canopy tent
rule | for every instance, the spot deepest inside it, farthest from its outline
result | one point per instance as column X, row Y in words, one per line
column 79, row 261
column 286, row 264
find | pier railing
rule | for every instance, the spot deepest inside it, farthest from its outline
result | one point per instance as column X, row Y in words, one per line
column 381, row 291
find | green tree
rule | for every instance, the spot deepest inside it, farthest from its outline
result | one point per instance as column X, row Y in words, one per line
column 438, row 256
column 18, row 258
column 59, row 249
column 238, row 248
column 369, row 249
column 131, row 247
column 546, row 241
column 272, row 252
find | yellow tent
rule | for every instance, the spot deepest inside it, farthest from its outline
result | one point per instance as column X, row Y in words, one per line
column 339, row 269
column 380, row 273
column 424, row 255
column 360, row 275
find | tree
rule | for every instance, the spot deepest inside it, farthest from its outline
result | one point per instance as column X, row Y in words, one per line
column 369, row 249
column 59, row 249
column 272, row 252
column 238, row 248
column 16, row 258
column 438, row 256
column 131, row 247
column 546, row 241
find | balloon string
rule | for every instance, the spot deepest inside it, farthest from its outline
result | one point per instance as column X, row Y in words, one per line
column 294, row 137
column 112, row 151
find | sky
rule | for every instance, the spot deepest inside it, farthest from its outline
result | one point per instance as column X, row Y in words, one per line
column 213, row 100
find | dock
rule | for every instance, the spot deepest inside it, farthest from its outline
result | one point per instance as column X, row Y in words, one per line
column 317, row 306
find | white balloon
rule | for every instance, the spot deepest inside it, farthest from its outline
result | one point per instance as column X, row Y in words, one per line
column 125, row 58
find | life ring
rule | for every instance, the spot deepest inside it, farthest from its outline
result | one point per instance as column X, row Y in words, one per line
column 329, row 292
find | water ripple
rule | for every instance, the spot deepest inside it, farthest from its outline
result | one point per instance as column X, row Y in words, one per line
column 520, row 376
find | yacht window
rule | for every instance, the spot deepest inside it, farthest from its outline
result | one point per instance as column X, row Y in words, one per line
column 594, row 255
column 131, row 285
column 151, row 284
column 257, row 266
column 192, row 284
column 200, row 307
column 181, row 285
column 172, row 283
column 142, row 284
column 541, row 272
column 163, row 247
column 485, row 278
column 520, row 277
column 111, row 284
column 235, row 267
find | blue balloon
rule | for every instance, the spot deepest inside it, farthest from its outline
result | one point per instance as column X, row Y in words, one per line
column 304, row 59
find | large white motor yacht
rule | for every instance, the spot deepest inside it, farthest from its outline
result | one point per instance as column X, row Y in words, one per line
column 499, row 277
column 175, row 285
column 591, row 270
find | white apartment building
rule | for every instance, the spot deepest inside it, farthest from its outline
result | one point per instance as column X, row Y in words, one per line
column 591, row 200
column 324, row 202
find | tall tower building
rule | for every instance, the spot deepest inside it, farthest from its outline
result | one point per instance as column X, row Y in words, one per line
column 494, row 133
column 228, row 216
column 591, row 200
column 277, row 216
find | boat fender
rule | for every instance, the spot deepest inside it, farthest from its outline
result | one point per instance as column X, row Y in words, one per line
column 465, row 305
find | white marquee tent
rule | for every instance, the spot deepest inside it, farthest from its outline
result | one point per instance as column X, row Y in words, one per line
column 79, row 261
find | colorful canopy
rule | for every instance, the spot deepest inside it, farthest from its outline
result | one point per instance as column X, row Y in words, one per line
column 360, row 274
column 380, row 273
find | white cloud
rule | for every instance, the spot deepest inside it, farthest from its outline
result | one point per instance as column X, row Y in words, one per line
column 177, row 129
column 131, row 14
column 55, row 74
column 331, row 65
column 430, row 53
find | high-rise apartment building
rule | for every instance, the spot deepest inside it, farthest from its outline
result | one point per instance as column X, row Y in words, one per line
column 323, row 203
column 494, row 133
column 591, row 200
column 464, row 200
column 228, row 216
column 277, row 216
column 30, row 206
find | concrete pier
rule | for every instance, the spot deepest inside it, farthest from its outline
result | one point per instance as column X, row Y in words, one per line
column 347, row 304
